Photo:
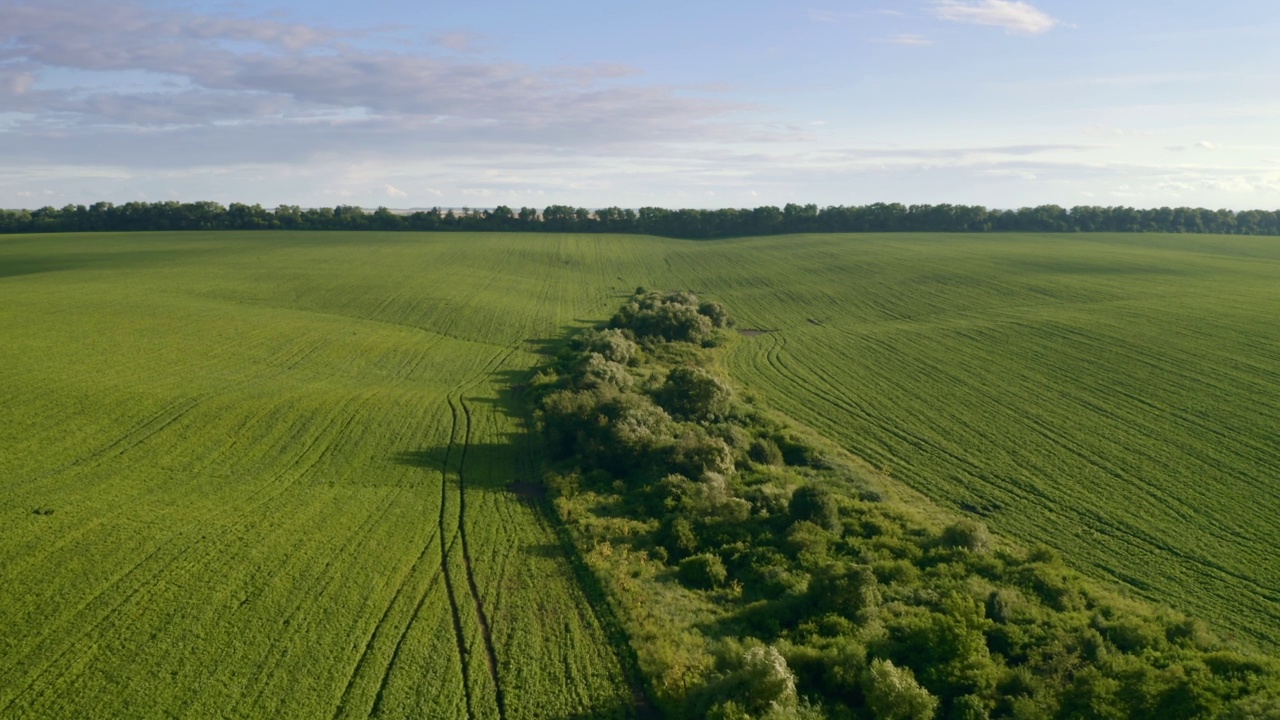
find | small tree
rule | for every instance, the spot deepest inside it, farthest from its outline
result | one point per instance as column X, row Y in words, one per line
column 893, row 694
column 844, row 589
column 704, row 572
column 695, row 394
column 769, row 683
column 817, row 505
column 613, row 344
column 968, row 535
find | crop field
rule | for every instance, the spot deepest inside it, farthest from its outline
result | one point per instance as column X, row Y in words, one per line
column 266, row 474
column 253, row 450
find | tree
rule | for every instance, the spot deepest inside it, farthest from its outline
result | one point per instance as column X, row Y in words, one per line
column 844, row 589
column 703, row 572
column 893, row 694
column 817, row 505
column 695, row 394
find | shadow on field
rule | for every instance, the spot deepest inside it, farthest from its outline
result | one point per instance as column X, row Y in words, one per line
column 487, row 467
column 510, row 466
column 548, row 347
column 15, row 266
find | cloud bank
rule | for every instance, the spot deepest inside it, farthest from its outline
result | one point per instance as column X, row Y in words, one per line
column 201, row 74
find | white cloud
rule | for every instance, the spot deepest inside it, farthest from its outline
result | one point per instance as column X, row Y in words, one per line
column 831, row 16
column 1229, row 184
column 395, row 192
column 264, row 73
column 913, row 40
column 1013, row 16
column 459, row 41
column 1206, row 145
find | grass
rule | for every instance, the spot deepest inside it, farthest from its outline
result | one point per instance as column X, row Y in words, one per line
column 249, row 447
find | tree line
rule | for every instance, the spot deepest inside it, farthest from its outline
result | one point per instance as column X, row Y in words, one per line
column 686, row 223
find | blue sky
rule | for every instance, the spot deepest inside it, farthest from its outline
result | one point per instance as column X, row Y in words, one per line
column 680, row 104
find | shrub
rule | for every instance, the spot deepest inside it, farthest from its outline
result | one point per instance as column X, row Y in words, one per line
column 848, row 590
column 809, row 544
column 767, row 680
column 613, row 344
column 715, row 312
column 893, row 694
column 673, row 316
column 678, row 537
column 967, row 535
column 765, row 452
column 638, row 425
column 702, row 572
column 596, row 371
column 816, row 505
column 797, row 452
column 696, row 453
column 968, row 707
column 695, row 394
column 1004, row 604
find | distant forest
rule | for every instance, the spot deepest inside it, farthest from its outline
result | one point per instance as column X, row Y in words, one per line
column 768, row 220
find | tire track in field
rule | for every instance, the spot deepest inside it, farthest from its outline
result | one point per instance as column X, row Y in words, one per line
column 459, row 636
column 485, row 632
column 456, row 615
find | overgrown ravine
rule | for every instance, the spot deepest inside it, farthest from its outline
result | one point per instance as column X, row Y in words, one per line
column 753, row 569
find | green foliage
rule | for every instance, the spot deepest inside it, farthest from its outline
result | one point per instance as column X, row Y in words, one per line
column 816, row 505
column 687, row 223
column 598, row 373
column 612, row 344
column 766, row 452
column 877, row 611
column 669, row 316
column 893, row 693
column 967, row 535
column 695, row 394
column 704, row 572
column 849, row 590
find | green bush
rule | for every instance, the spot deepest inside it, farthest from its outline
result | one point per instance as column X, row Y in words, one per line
column 702, row 572
column 596, row 371
column 696, row 453
column 678, row 537
column 893, row 694
column 967, row 535
column 765, row 452
column 613, row 344
column 975, row 631
column 670, row 316
column 695, row 394
column 816, row 505
column 848, row 590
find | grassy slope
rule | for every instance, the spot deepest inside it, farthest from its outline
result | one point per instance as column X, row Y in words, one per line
column 242, row 438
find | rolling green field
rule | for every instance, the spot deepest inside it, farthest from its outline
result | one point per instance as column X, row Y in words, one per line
column 277, row 463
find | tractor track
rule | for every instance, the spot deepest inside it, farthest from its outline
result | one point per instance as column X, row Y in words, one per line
column 483, row 619
column 444, row 564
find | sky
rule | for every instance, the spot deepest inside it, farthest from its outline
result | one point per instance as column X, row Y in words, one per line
column 698, row 103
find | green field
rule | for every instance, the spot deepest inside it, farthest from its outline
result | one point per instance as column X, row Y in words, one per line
column 277, row 463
